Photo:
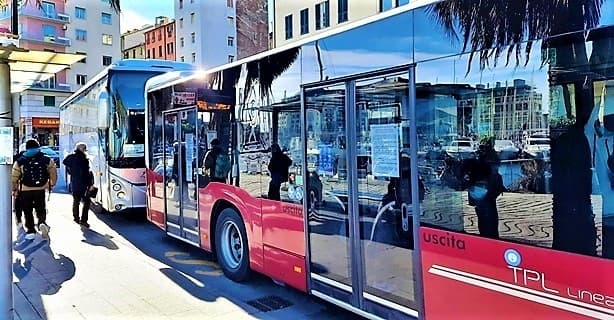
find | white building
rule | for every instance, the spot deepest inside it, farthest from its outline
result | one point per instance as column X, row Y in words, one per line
column 94, row 31
column 206, row 32
column 294, row 20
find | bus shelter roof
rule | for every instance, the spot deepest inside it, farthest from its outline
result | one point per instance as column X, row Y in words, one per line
column 30, row 66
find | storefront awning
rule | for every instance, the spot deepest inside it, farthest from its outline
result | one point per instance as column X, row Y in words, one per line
column 30, row 66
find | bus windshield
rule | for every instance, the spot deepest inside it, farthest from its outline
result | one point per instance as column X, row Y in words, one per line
column 127, row 125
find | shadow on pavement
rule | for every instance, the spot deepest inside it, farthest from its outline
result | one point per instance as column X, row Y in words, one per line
column 96, row 239
column 40, row 272
column 196, row 271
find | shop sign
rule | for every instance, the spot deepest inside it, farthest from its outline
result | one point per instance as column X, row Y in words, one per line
column 45, row 122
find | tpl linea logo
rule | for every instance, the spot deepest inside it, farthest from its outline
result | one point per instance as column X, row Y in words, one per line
column 523, row 276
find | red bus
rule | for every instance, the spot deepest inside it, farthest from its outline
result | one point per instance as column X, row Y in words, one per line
column 411, row 189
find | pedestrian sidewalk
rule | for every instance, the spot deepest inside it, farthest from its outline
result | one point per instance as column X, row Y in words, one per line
column 82, row 273
column 129, row 269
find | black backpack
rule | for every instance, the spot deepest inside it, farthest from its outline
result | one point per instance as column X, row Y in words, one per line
column 34, row 169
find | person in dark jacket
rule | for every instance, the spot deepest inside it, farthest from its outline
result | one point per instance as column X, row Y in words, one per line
column 485, row 184
column 18, row 203
column 211, row 160
column 81, row 181
column 278, row 167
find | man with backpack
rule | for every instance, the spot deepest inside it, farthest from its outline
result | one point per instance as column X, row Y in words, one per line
column 32, row 174
column 217, row 162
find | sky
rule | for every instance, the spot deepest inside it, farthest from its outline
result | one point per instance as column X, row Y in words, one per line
column 136, row 13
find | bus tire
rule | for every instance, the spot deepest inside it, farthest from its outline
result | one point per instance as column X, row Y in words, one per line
column 232, row 249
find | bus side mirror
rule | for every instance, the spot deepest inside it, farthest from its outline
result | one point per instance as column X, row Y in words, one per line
column 103, row 113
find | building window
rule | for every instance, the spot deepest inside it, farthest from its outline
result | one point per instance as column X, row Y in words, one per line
column 231, row 41
column 305, row 21
column 82, row 53
column 159, row 35
column 81, row 35
column 192, row 18
column 107, row 39
column 80, row 13
column 160, row 51
column 106, row 18
column 181, row 42
column 181, row 23
column 169, row 48
column 49, row 101
column 182, row 59
column 134, row 53
column 48, row 9
column 231, row 21
column 48, row 31
column 107, row 60
column 81, row 79
column 148, row 54
column 193, row 35
column 343, row 11
column 288, row 26
column 230, row 3
column 126, row 55
column 180, row 4
column 322, row 15
column 193, row 57
column 231, row 58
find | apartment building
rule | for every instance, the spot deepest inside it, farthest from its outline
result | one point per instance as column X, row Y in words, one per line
column 160, row 40
column 294, row 20
column 76, row 26
column 206, row 32
column 95, row 31
column 133, row 43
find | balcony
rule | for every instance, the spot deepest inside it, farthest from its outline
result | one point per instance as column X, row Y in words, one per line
column 49, row 15
column 45, row 85
column 57, row 40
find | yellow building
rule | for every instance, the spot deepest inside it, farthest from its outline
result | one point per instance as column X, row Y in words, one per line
column 294, row 20
column 133, row 43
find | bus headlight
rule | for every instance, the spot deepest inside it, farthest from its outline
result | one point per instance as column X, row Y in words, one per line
column 121, row 195
column 117, row 187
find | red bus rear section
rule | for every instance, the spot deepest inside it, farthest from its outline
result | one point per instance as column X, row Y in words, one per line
column 389, row 169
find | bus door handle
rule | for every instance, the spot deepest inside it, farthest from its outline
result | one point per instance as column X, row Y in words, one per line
column 405, row 209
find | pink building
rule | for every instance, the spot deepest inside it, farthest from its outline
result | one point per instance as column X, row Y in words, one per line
column 42, row 29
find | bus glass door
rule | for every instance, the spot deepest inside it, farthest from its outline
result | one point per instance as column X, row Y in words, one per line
column 359, row 192
column 180, row 134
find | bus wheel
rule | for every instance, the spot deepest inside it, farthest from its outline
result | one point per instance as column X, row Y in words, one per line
column 231, row 245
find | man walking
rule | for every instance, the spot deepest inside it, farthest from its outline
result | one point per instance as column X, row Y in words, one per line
column 32, row 174
column 18, row 203
column 81, row 181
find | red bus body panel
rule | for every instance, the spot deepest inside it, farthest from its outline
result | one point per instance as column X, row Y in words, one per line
column 155, row 201
column 478, row 278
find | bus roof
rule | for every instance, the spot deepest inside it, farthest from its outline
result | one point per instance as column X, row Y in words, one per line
column 131, row 65
column 163, row 81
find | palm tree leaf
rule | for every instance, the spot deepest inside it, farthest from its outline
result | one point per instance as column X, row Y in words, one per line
column 489, row 27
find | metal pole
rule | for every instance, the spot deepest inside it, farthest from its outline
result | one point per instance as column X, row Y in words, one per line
column 6, row 212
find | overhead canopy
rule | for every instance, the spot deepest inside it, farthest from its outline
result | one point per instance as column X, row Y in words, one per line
column 29, row 66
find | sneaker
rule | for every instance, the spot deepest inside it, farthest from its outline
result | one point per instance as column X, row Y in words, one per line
column 44, row 230
column 84, row 224
column 30, row 236
column 76, row 220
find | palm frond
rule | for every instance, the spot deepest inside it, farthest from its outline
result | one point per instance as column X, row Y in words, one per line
column 489, row 28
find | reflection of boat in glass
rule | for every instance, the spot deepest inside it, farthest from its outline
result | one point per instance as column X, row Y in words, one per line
column 537, row 146
column 506, row 150
column 461, row 148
